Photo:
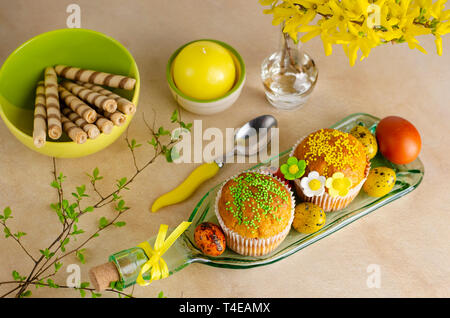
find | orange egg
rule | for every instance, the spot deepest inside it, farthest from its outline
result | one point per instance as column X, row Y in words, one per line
column 398, row 140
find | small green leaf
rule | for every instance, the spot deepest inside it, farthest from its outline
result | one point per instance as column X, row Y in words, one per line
column 70, row 211
column 57, row 208
column 162, row 132
column 134, row 144
column 65, row 204
column 102, row 222
column 186, row 126
column 64, row 243
column 174, row 117
column 51, row 283
column 161, row 295
column 61, row 177
column 26, row 294
column 117, row 285
column 76, row 196
column 120, row 224
column 88, row 209
column 153, row 142
column 40, row 283
column 81, row 191
column 20, row 234
column 58, row 266
column 84, row 285
column 82, row 288
column 76, row 230
column 7, row 213
column 168, row 154
column 80, row 256
column 95, row 172
column 95, row 295
column 121, row 183
column 55, row 184
column 121, row 206
column 17, row 276
column 7, row 232
column 95, row 175
column 47, row 254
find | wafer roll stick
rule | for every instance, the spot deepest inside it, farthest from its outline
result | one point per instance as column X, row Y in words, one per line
column 92, row 97
column 73, row 131
column 117, row 118
column 40, row 116
column 94, row 77
column 123, row 104
column 78, row 106
column 52, row 103
column 91, row 129
column 104, row 124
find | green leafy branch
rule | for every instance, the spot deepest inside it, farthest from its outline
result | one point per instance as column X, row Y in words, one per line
column 48, row 261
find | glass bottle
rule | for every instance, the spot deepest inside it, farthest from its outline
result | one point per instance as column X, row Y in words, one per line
column 130, row 261
column 288, row 75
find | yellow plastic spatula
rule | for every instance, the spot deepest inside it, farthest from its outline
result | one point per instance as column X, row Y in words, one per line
column 248, row 140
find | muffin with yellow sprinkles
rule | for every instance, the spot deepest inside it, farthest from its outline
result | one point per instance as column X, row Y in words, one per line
column 336, row 168
column 255, row 211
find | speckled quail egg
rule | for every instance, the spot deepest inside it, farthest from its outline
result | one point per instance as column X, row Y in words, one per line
column 210, row 239
column 367, row 139
column 380, row 181
column 308, row 218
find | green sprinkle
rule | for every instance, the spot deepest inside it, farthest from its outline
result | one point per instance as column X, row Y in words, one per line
column 260, row 192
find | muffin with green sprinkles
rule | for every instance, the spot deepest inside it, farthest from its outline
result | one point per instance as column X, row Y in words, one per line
column 255, row 211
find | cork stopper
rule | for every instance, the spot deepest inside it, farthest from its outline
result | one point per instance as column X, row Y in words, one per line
column 101, row 276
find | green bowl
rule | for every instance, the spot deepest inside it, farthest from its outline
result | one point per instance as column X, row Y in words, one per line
column 25, row 67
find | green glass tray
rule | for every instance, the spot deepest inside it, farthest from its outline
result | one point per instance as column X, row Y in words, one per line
column 185, row 252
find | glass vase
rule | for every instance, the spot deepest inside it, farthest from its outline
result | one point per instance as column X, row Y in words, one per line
column 288, row 75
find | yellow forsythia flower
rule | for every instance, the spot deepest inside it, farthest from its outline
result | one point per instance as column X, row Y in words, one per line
column 361, row 25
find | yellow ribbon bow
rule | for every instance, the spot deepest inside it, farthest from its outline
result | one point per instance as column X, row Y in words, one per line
column 157, row 266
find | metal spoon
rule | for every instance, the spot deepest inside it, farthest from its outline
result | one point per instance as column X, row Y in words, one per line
column 251, row 138
column 248, row 140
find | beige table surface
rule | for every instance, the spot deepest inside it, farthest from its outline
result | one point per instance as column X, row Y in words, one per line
column 408, row 239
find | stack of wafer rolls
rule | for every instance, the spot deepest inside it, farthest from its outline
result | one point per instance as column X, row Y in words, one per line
column 91, row 129
column 117, row 117
column 73, row 131
column 123, row 104
column 40, row 116
column 94, row 77
column 78, row 106
column 82, row 109
column 92, row 97
column 52, row 104
column 104, row 124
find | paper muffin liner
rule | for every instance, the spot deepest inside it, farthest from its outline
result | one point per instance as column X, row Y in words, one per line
column 254, row 246
column 326, row 201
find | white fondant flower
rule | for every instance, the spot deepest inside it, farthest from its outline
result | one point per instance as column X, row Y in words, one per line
column 313, row 184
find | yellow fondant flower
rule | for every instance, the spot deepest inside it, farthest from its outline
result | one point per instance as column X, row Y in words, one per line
column 338, row 185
